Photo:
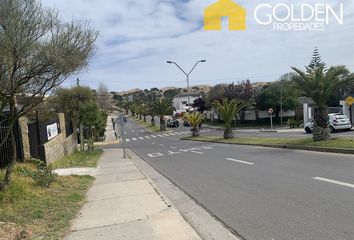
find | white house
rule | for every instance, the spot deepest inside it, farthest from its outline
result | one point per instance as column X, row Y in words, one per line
column 180, row 102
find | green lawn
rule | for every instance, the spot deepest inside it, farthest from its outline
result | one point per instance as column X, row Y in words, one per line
column 28, row 211
column 335, row 143
column 79, row 159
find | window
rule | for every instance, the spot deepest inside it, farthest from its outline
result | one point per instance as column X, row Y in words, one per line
column 184, row 102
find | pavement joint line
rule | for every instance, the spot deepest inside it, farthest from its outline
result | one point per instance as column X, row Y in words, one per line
column 334, row 182
column 239, row 161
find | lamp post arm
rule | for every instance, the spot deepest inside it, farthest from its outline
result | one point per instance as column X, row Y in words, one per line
column 193, row 68
column 181, row 69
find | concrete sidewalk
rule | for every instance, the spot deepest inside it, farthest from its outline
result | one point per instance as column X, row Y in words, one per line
column 123, row 204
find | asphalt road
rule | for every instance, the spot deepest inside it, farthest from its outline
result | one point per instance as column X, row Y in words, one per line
column 261, row 193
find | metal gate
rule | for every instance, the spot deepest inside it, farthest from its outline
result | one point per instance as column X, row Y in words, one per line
column 6, row 149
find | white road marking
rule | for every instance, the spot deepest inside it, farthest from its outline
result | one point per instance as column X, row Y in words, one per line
column 178, row 133
column 197, row 152
column 173, row 147
column 239, row 161
column 134, row 139
column 166, row 135
column 147, row 137
column 334, row 181
column 160, row 135
column 172, row 134
column 128, row 140
column 141, row 138
column 154, row 155
column 153, row 136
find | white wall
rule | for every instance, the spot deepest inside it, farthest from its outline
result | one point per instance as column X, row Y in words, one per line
column 179, row 106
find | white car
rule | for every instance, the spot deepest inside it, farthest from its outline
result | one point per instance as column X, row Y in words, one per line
column 337, row 121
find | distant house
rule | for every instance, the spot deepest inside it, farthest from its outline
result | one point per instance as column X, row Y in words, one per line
column 180, row 102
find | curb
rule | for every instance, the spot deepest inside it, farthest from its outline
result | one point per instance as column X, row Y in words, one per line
column 293, row 147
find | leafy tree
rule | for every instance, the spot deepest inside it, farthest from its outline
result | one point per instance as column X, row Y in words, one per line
column 171, row 93
column 38, row 51
column 227, row 110
column 200, row 104
column 195, row 119
column 70, row 101
column 162, row 108
column 270, row 96
column 94, row 119
column 319, row 83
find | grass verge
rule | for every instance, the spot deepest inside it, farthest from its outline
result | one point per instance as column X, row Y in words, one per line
column 152, row 128
column 346, row 143
column 79, row 159
column 28, row 211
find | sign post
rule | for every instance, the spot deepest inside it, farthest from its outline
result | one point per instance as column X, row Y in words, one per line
column 270, row 111
column 121, row 121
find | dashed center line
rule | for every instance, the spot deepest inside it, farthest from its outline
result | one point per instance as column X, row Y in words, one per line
column 239, row 161
column 334, row 182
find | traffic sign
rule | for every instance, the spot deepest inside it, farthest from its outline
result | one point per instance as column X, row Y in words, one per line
column 349, row 100
column 270, row 110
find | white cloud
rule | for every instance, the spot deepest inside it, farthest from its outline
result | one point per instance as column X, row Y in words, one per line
column 138, row 36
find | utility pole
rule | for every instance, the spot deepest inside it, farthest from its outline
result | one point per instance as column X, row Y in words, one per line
column 281, row 106
column 78, row 81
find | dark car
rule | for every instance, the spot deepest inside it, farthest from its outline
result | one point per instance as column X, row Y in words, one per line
column 172, row 123
column 186, row 123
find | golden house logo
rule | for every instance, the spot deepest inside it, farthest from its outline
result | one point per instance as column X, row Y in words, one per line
column 224, row 8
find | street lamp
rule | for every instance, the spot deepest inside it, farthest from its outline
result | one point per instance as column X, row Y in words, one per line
column 187, row 75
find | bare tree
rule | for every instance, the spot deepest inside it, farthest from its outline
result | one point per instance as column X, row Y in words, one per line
column 38, row 51
column 104, row 97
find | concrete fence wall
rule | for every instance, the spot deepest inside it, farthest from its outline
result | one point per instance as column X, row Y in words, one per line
column 56, row 148
column 61, row 145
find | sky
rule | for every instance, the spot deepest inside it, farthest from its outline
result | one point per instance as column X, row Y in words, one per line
column 137, row 37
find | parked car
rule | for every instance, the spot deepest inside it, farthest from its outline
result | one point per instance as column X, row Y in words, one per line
column 337, row 121
column 172, row 123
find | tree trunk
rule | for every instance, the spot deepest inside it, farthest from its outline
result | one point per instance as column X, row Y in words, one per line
column 144, row 118
column 228, row 133
column 153, row 123
column 195, row 132
column 162, row 124
column 321, row 131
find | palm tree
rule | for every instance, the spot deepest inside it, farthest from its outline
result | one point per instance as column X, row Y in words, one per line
column 227, row 110
column 162, row 108
column 319, row 84
column 195, row 119
column 152, row 113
